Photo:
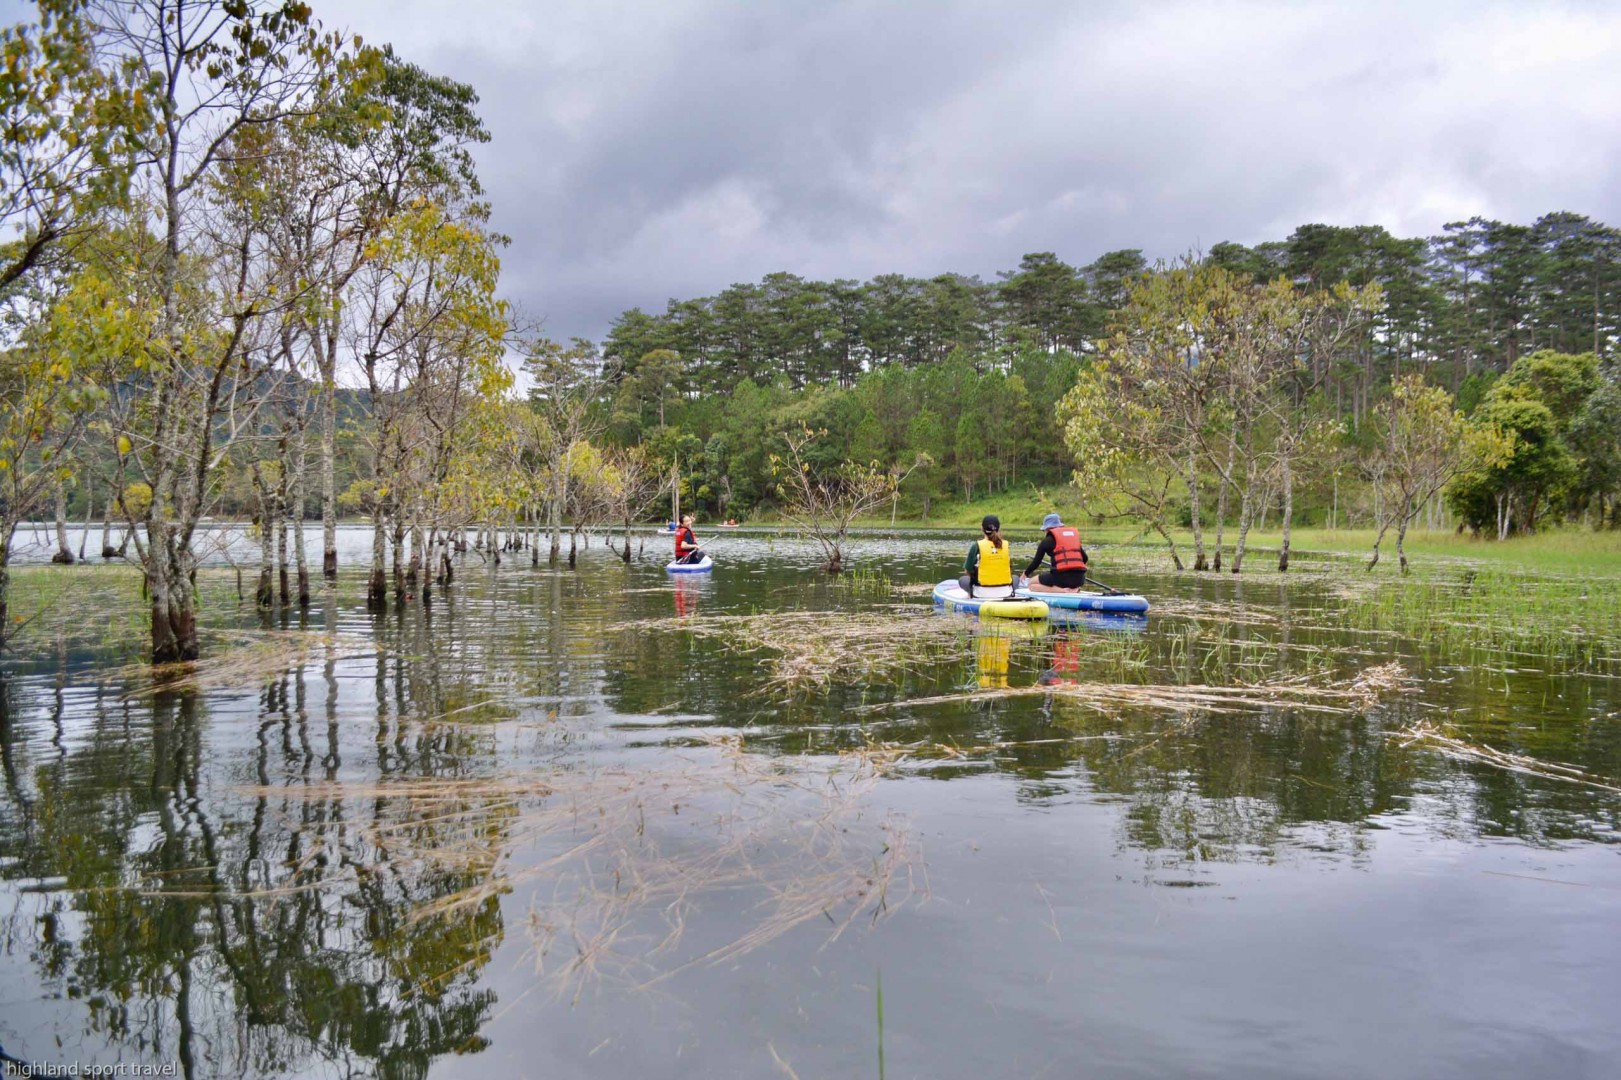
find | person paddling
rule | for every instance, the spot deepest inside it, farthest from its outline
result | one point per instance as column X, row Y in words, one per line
column 989, row 565
column 1062, row 544
column 686, row 544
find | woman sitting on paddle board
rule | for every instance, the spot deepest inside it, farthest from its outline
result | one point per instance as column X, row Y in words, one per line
column 989, row 565
column 1062, row 544
column 686, row 544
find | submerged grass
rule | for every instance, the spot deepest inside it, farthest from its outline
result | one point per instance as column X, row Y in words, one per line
column 1492, row 616
column 618, row 861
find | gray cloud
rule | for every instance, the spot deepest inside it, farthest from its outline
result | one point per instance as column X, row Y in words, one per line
column 653, row 149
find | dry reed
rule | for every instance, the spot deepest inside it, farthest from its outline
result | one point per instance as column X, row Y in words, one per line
column 1299, row 692
column 816, row 649
column 617, row 860
column 1433, row 737
column 252, row 659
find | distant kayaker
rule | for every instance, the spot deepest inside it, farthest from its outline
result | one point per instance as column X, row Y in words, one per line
column 686, row 544
column 989, row 566
column 1062, row 544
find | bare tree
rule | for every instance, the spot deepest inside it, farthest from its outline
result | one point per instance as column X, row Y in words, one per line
column 823, row 501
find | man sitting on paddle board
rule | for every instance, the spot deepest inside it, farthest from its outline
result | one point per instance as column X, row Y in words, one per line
column 989, row 566
column 686, row 544
column 1061, row 543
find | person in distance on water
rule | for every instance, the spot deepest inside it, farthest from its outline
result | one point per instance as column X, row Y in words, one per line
column 989, row 566
column 686, row 544
column 1062, row 544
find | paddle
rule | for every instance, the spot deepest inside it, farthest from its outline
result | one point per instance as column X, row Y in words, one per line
column 1110, row 589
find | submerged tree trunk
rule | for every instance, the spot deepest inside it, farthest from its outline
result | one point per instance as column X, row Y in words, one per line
column 1192, row 480
column 298, row 527
column 1288, row 513
column 1170, row 542
column 377, row 580
column 5, row 583
column 89, row 516
column 107, row 549
column 169, row 589
column 282, row 574
column 1245, row 516
column 329, row 453
column 263, row 595
column 1221, row 502
column 64, row 553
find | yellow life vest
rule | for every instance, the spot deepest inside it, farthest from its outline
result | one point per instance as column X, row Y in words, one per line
column 995, row 568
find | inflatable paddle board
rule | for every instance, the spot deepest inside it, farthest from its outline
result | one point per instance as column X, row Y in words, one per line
column 1094, row 601
column 702, row 566
column 950, row 595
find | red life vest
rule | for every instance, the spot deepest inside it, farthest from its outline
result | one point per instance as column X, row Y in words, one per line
column 1067, row 551
column 684, row 541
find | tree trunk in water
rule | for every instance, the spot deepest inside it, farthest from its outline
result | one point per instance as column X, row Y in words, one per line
column 107, row 549
column 397, row 544
column 413, row 572
column 329, row 482
column 627, row 539
column 554, row 523
column 5, row 589
column 286, row 592
column 1288, row 513
column 1245, row 513
column 174, row 618
column 1170, row 545
column 263, row 595
column 1401, row 538
column 298, row 527
column 64, row 554
column 1192, row 480
column 89, row 515
column 573, row 546
column 1378, row 539
column 1221, row 505
column 377, row 582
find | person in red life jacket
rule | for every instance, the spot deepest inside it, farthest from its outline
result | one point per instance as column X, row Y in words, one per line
column 1062, row 544
column 686, row 544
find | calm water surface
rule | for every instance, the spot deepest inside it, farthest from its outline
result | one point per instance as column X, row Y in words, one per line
column 545, row 831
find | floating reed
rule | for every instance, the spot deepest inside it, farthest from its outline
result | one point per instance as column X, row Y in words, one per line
column 619, row 859
column 254, row 659
column 1347, row 696
column 816, row 649
column 1434, row 737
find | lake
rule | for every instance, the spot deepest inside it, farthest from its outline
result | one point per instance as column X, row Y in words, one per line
column 601, row 823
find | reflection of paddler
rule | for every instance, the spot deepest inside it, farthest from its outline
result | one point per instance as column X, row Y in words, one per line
column 993, row 654
column 993, row 648
column 686, row 595
column 1066, row 656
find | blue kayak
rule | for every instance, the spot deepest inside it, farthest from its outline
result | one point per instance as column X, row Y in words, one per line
column 702, row 566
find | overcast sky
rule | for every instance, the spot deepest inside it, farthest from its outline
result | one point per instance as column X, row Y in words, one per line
column 664, row 148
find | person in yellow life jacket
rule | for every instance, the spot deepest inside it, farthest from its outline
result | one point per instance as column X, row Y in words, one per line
column 988, row 570
column 1061, row 543
column 686, row 544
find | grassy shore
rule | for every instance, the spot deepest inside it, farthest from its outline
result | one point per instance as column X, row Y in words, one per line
column 1568, row 550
